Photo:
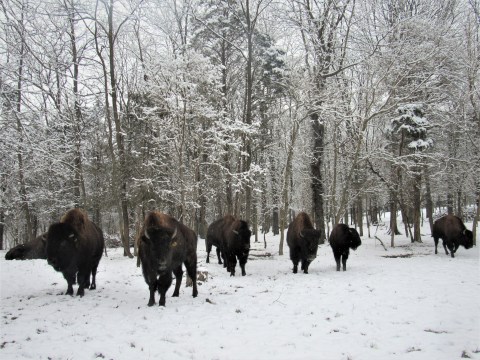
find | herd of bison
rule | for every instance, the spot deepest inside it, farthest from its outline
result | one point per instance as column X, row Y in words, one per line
column 74, row 247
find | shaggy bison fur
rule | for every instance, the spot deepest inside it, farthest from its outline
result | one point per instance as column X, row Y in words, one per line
column 231, row 236
column 163, row 245
column 33, row 249
column 74, row 247
column 453, row 233
column 342, row 239
column 303, row 241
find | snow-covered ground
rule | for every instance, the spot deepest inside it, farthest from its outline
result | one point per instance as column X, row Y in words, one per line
column 416, row 306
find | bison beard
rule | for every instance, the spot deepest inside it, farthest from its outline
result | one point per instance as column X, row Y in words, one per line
column 342, row 239
column 303, row 241
column 163, row 245
column 74, row 247
column 453, row 233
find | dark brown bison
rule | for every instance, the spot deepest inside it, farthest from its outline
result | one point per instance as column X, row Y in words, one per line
column 232, row 240
column 33, row 249
column 163, row 245
column 215, row 238
column 342, row 239
column 453, row 233
column 303, row 241
column 74, row 247
column 236, row 243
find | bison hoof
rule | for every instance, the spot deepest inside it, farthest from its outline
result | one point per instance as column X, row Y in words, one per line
column 150, row 303
column 195, row 293
column 69, row 292
column 175, row 294
column 80, row 292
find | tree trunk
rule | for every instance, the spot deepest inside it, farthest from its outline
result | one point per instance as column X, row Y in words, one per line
column 417, row 205
column 318, row 192
column 125, row 232
column 21, row 171
column 428, row 198
column 79, row 200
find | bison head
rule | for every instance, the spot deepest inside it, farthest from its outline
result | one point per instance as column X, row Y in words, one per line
column 467, row 239
column 160, row 243
column 309, row 245
column 17, row 253
column 61, row 246
column 354, row 239
column 243, row 233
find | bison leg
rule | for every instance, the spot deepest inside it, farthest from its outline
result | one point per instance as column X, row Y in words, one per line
column 344, row 262
column 93, row 286
column 178, row 280
column 243, row 260
column 345, row 258
column 435, row 240
column 209, row 248
column 295, row 259
column 445, row 247
column 70, row 281
column 219, row 256
column 191, row 267
column 152, row 287
column 451, row 247
column 305, row 264
column 232, row 262
column 163, row 283
column 337, row 260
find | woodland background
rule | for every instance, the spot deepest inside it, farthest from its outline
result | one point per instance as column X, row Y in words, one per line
column 258, row 108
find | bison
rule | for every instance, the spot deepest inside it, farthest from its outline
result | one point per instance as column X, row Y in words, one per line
column 231, row 236
column 303, row 241
column 342, row 239
column 215, row 238
column 33, row 249
column 236, row 243
column 163, row 245
column 453, row 233
column 74, row 247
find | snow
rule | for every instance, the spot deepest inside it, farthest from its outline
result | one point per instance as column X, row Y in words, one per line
column 418, row 306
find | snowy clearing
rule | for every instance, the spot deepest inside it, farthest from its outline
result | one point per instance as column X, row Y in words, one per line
column 403, row 303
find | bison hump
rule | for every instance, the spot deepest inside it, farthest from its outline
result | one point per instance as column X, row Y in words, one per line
column 76, row 218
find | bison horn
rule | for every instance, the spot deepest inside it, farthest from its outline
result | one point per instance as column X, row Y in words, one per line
column 146, row 234
column 301, row 234
column 235, row 232
column 174, row 234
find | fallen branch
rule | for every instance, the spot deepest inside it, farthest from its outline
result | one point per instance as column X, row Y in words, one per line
column 381, row 242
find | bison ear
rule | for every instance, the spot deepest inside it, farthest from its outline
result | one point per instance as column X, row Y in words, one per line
column 44, row 238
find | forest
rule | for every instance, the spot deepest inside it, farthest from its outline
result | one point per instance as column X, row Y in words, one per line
column 344, row 109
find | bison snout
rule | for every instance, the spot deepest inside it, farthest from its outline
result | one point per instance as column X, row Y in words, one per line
column 312, row 257
column 162, row 266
